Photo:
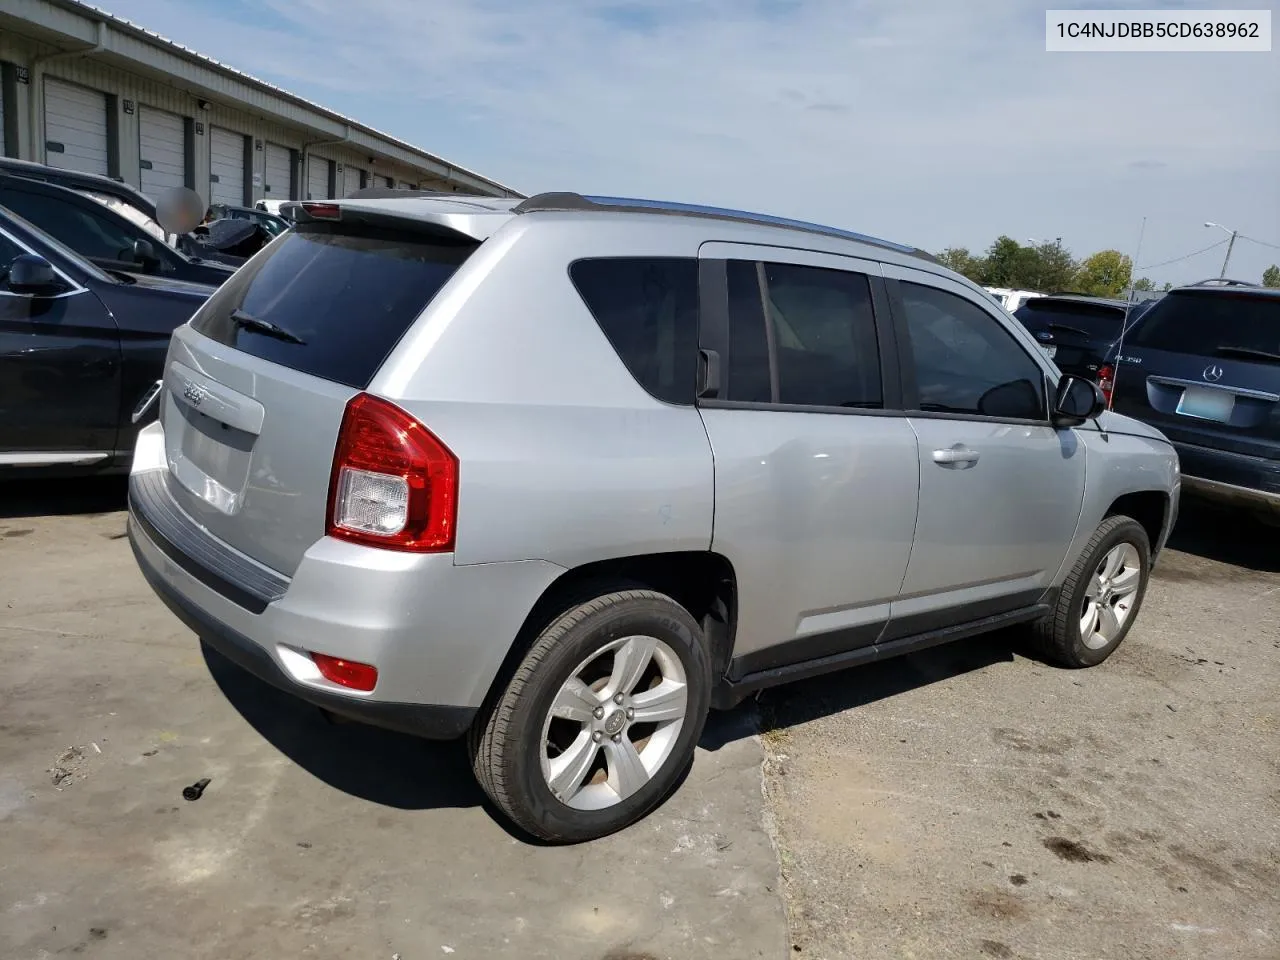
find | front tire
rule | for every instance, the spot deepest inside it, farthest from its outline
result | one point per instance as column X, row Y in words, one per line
column 1100, row 597
column 599, row 721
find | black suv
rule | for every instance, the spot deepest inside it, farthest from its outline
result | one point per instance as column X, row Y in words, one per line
column 1203, row 365
column 1076, row 330
column 100, row 234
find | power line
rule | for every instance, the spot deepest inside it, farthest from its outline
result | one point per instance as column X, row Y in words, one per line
column 1263, row 242
column 1165, row 263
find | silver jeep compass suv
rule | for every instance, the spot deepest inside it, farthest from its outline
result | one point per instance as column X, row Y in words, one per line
column 561, row 474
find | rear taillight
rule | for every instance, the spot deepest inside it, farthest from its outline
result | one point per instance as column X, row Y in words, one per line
column 394, row 484
column 1107, row 381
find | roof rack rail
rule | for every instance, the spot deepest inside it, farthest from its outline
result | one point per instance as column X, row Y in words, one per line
column 391, row 193
column 1222, row 282
column 566, row 201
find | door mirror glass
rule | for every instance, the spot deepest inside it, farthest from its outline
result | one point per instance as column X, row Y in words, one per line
column 1077, row 400
column 33, row 276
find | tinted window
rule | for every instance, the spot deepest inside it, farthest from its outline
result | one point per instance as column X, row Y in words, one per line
column 648, row 309
column 966, row 362
column 1205, row 323
column 824, row 336
column 1071, row 318
column 83, row 227
column 350, row 294
column 748, row 361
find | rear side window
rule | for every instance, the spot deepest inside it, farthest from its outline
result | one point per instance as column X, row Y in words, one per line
column 1212, row 324
column 647, row 307
column 347, row 292
column 1080, row 319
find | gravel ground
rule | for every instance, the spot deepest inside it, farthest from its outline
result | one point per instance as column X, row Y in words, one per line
column 971, row 802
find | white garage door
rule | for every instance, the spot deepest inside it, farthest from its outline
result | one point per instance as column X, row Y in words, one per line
column 226, row 167
column 275, row 186
column 162, row 151
column 318, row 179
column 75, row 127
column 352, row 179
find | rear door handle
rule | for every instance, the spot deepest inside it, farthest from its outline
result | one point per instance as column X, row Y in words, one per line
column 957, row 455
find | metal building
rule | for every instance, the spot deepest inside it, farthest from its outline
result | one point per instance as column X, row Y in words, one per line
column 82, row 89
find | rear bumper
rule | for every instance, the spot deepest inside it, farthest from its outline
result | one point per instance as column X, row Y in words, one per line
column 437, row 631
column 432, row 721
column 1230, row 477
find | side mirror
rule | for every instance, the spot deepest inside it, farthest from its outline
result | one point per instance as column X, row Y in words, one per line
column 1077, row 400
column 143, row 252
column 33, row 276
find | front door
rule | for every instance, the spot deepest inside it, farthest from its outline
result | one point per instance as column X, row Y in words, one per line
column 815, row 469
column 1000, row 488
column 59, row 375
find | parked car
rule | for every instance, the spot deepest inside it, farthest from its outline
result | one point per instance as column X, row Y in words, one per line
column 1203, row 365
column 272, row 224
column 111, row 191
column 1075, row 329
column 100, row 234
column 80, row 350
column 587, row 467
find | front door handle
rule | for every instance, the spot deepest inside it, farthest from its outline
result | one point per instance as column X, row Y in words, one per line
column 957, row 455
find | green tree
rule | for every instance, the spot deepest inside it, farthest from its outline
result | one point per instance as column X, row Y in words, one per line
column 1167, row 287
column 1271, row 276
column 1046, row 268
column 961, row 261
column 1144, row 284
column 1105, row 274
column 1000, row 267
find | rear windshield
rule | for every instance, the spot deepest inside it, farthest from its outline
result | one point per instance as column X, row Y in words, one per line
column 1091, row 320
column 347, row 292
column 1211, row 324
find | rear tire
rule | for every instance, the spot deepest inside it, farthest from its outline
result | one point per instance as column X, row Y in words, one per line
column 1100, row 597
column 599, row 721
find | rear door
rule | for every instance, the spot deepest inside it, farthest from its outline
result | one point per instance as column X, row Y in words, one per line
column 1204, row 367
column 815, row 463
column 251, row 419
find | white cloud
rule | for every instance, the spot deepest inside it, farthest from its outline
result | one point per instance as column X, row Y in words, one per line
column 930, row 123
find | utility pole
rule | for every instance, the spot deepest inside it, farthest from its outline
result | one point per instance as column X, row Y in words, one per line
column 1227, row 259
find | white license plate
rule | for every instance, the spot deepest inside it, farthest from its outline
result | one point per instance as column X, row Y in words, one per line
column 1206, row 404
column 1049, row 349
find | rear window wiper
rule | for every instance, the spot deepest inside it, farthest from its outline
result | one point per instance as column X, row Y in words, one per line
column 1247, row 353
column 249, row 321
column 1067, row 328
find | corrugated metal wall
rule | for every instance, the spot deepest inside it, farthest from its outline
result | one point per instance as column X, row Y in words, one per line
column 128, row 91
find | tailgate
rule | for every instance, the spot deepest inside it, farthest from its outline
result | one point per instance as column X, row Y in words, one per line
column 257, row 384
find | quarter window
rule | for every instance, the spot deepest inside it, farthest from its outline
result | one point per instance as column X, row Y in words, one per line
column 966, row 362
column 647, row 307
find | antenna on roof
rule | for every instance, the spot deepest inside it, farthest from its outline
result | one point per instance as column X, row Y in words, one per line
column 1124, row 325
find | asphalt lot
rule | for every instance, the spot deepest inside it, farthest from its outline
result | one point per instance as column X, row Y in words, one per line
column 965, row 802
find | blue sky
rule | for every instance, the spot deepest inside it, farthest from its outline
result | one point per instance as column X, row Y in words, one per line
column 932, row 123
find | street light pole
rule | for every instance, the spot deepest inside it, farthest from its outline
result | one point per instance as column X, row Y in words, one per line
column 1230, row 243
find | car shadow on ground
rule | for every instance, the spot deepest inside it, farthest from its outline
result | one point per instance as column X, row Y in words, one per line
column 800, row 702
column 1225, row 534
column 62, row 497
column 384, row 767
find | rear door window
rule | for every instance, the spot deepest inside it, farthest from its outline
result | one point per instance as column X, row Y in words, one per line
column 348, row 293
column 1236, row 325
column 647, row 307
